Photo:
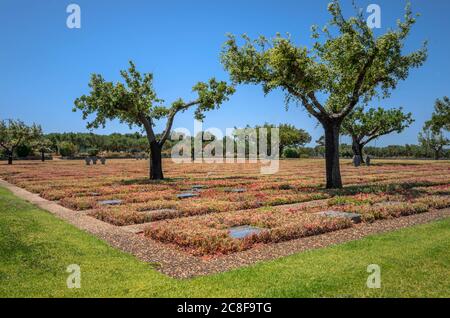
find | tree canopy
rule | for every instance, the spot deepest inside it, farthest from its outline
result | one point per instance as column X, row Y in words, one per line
column 346, row 65
column 14, row 133
column 364, row 127
column 433, row 141
column 441, row 115
column 135, row 102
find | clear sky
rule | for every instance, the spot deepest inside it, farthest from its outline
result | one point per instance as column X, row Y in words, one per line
column 46, row 65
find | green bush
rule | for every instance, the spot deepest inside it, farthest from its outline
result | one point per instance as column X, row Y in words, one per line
column 23, row 151
column 291, row 153
column 67, row 149
column 93, row 152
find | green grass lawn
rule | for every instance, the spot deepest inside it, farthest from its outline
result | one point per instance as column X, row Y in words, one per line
column 36, row 248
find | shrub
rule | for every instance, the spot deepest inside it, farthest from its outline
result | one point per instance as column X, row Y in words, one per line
column 291, row 153
column 67, row 149
column 93, row 152
column 23, row 151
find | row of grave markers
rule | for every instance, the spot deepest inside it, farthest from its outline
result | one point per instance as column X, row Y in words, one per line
column 94, row 160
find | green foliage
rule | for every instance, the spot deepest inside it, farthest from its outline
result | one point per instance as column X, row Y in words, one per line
column 348, row 66
column 291, row 153
column 43, row 145
column 67, row 149
column 93, row 152
column 24, row 150
column 433, row 141
column 135, row 102
column 14, row 133
column 364, row 127
column 290, row 136
column 112, row 143
column 441, row 115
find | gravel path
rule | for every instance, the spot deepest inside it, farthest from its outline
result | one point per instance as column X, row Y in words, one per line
column 179, row 264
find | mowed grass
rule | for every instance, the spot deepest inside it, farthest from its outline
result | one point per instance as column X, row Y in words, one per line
column 36, row 248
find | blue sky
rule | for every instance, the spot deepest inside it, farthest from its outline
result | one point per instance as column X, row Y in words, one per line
column 45, row 65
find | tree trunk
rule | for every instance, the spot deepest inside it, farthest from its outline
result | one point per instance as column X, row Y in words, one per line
column 42, row 156
column 358, row 149
column 437, row 154
column 333, row 172
column 10, row 159
column 156, row 172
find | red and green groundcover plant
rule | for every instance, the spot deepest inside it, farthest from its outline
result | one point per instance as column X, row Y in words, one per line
column 200, row 225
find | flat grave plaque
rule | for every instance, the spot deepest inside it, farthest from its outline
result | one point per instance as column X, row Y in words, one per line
column 186, row 195
column 242, row 231
column 110, row 202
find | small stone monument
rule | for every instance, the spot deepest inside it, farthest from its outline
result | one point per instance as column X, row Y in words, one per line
column 103, row 160
column 367, row 160
column 356, row 160
column 94, row 160
column 87, row 160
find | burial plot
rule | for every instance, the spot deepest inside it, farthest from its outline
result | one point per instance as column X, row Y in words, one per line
column 388, row 203
column 242, row 231
column 355, row 217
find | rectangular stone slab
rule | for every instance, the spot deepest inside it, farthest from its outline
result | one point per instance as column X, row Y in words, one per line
column 355, row 217
column 186, row 195
column 110, row 202
column 237, row 190
column 242, row 231
column 198, row 186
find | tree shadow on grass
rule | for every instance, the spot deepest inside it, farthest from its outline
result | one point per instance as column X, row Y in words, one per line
column 389, row 188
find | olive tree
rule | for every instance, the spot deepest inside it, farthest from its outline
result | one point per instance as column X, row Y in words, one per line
column 363, row 127
column 346, row 65
column 135, row 102
column 43, row 145
column 441, row 116
column 433, row 141
column 14, row 133
column 290, row 136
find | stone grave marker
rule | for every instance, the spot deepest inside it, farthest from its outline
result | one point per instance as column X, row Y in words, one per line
column 110, row 202
column 186, row 195
column 242, row 231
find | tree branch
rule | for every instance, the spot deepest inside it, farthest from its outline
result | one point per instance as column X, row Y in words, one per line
column 146, row 121
column 316, row 103
column 306, row 103
column 378, row 135
column 170, row 119
column 357, row 89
